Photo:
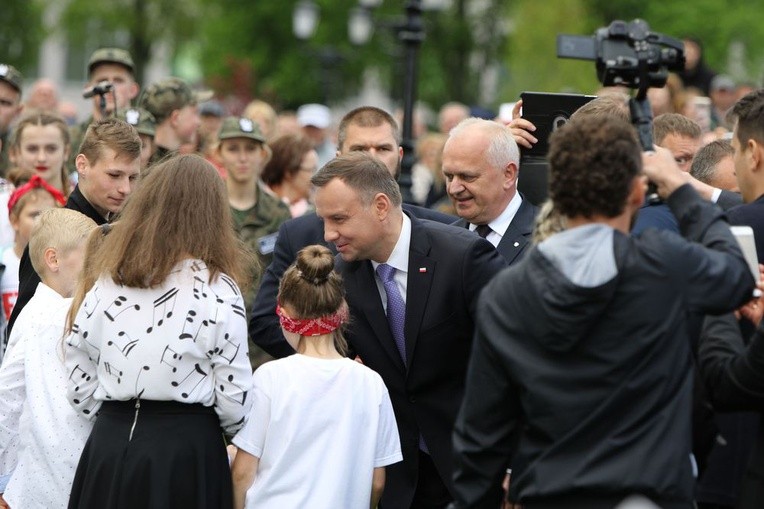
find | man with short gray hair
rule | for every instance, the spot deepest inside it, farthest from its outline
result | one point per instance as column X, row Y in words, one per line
column 714, row 165
column 480, row 164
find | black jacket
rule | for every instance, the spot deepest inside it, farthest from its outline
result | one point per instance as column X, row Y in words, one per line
column 734, row 381
column 28, row 278
column 587, row 388
column 516, row 240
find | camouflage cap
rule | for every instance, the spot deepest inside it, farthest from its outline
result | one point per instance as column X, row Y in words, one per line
column 142, row 120
column 111, row 56
column 170, row 94
column 11, row 75
column 240, row 127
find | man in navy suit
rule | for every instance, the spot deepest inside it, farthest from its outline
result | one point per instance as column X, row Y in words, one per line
column 480, row 163
column 436, row 272
column 748, row 146
column 365, row 129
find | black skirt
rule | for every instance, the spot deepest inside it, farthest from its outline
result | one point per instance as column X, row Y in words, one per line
column 176, row 458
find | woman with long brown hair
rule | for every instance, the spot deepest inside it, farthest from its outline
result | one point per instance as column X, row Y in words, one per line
column 158, row 348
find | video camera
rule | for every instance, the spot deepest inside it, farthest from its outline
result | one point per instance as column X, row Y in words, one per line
column 630, row 55
column 626, row 54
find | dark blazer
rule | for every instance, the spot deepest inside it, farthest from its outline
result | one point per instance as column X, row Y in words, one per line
column 448, row 268
column 518, row 235
column 293, row 235
column 729, row 199
column 734, row 379
column 28, row 278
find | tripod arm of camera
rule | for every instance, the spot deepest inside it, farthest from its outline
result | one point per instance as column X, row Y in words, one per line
column 642, row 120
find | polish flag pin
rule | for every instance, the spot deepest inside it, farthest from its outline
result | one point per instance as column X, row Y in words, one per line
column 422, row 270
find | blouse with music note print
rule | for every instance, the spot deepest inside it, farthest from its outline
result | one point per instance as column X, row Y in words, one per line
column 169, row 342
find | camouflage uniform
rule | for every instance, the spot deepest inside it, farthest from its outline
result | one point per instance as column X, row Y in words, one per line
column 258, row 226
column 5, row 139
column 12, row 77
column 258, row 229
column 160, row 154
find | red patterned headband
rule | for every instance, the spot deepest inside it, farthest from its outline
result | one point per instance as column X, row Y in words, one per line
column 35, row 182
column 312, row 326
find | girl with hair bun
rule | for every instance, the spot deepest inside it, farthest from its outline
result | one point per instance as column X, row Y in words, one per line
column 322, row 427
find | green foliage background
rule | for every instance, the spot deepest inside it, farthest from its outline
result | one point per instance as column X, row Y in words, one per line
column 246, row 47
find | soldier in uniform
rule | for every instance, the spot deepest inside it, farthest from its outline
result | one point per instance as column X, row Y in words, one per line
column 257, row 214
column 174, row 106
column 10, row 107
column 145, row 124
column 113, row 65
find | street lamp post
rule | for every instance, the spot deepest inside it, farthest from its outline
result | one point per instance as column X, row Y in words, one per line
column 411, row 35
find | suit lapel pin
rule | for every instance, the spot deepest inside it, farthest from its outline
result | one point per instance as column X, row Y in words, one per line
column 517, row 243
column 422, row 270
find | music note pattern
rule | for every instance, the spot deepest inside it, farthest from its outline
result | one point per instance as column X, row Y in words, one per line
column 184, row 340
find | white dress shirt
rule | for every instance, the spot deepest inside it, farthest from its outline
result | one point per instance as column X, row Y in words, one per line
column 399, row 259
column 501, row 223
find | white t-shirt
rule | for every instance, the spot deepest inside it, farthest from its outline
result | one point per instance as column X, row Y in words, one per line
column 319, row 427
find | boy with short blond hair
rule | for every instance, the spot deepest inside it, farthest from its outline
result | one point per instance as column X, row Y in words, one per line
column 41, row 436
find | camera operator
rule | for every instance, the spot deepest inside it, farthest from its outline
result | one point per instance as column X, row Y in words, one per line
column 581, row 370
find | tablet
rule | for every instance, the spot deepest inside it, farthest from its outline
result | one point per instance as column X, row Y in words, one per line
column 548, row 112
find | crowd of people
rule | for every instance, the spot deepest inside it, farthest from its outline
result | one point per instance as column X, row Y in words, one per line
column 213, row 310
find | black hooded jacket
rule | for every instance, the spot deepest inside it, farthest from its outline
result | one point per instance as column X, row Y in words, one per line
column 579, row 379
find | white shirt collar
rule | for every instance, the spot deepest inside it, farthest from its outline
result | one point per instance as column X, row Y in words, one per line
column 501, row 223
column 399, row 258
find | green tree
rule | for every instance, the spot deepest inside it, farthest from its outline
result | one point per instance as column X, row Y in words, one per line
column 21, row 32
column 137, row 25
column 257, row 37
column 716, row 25
column 532, row 61
column 462, row 42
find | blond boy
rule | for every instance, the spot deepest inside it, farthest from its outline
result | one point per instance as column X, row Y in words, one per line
column 41, row 436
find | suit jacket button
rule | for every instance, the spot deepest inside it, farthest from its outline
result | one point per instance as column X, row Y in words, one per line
column 412, row 399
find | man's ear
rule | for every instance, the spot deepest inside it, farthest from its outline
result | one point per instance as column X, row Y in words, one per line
column 174, row 117
column 381, row 205
column 50, row 256
column 82, row 164
column 134, row 89
column 756, row 150
column 510, row 173
column 637, row 193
